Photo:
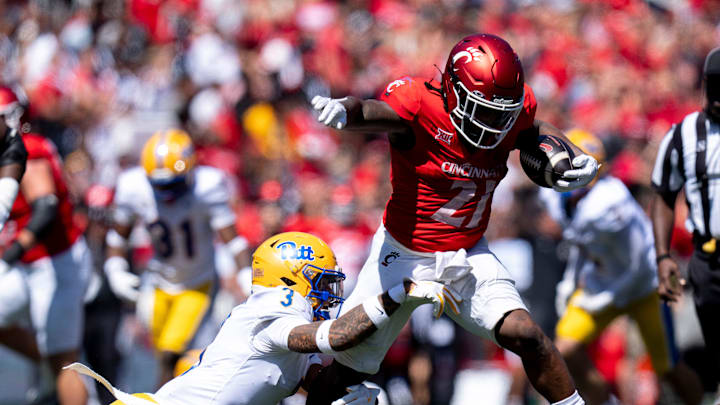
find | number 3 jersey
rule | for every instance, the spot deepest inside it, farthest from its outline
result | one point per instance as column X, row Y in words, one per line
column 249, row 362
column 183, row 230
column 442, row 189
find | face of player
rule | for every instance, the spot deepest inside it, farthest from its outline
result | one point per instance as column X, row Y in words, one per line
column 171, row 190
column 332, row 284
column 483, row 123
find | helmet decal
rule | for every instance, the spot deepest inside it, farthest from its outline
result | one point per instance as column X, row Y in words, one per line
column 461, row 54
column 469, row 53
column 290, row 251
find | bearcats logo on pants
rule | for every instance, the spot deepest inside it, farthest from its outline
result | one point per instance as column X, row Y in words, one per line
column 390, row 258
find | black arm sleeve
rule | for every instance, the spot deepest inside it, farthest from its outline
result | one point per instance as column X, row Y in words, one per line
column 13, row 151
column 44, row 211
column 331, row 382
column 13, row 253
column 527, row 138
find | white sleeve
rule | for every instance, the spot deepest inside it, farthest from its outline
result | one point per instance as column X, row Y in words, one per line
column 282, row 310
column 8, row 192
column 124, row 202
column 667, row 175
column 217, row 200
column 274, row 337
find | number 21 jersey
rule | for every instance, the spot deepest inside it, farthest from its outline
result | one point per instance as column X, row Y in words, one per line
column 441, row 189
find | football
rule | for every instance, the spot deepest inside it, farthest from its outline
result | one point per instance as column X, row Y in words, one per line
column 547, row 160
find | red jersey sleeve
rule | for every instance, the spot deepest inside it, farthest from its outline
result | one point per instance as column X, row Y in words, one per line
column 527, row 115
column 403, row 96
column 38, row 147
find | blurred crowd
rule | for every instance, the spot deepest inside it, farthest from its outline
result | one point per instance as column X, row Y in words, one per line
column 102, row 75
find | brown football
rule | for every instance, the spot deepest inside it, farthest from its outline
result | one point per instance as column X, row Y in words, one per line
column 547, row 160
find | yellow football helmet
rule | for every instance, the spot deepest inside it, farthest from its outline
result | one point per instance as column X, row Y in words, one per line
column 168, row 157
column 591, row 145
column 303, row 263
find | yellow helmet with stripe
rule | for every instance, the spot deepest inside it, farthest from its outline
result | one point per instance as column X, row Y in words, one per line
column 301, row 262
column 168, row 157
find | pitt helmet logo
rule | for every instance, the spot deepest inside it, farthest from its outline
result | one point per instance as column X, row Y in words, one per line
column 290, row 251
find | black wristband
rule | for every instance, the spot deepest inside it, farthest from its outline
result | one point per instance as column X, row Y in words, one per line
column 662, row 257
column 13, row 253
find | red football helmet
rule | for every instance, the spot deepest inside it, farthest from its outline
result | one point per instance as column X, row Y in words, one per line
column 483, row 84
column 12, row 107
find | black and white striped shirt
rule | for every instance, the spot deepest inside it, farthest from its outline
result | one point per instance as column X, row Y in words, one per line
column 676, row 167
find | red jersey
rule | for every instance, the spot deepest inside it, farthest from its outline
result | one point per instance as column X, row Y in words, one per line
column 442, row 190
column 63, row 231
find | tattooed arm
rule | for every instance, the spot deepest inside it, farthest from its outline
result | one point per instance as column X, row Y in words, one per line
column 360, row 322
column 325, row 385
column 346, row 332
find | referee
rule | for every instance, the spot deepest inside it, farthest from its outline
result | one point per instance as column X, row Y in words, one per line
column 689, row 157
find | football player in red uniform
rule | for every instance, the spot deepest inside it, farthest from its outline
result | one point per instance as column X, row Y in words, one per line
column 44, row 271
column 13, row 154
column 450, row 142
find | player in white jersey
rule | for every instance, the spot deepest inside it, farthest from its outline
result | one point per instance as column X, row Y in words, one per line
column 262, row 353
column 183, row 208
column 611, row 272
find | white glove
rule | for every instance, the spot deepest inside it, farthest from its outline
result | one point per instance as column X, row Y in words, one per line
column 437, row 294
column 563, row 291
column 122, row 282
column 586, row 168
column 334, row 113
column 359, row 394
column 594, row 303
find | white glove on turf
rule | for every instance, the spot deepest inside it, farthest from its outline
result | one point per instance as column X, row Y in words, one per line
column 586, row 168
column 334, row 113
column 122, row 282
column 359, row 394
column 437, row 294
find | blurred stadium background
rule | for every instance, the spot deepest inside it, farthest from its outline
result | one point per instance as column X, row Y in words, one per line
column 102, row 75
